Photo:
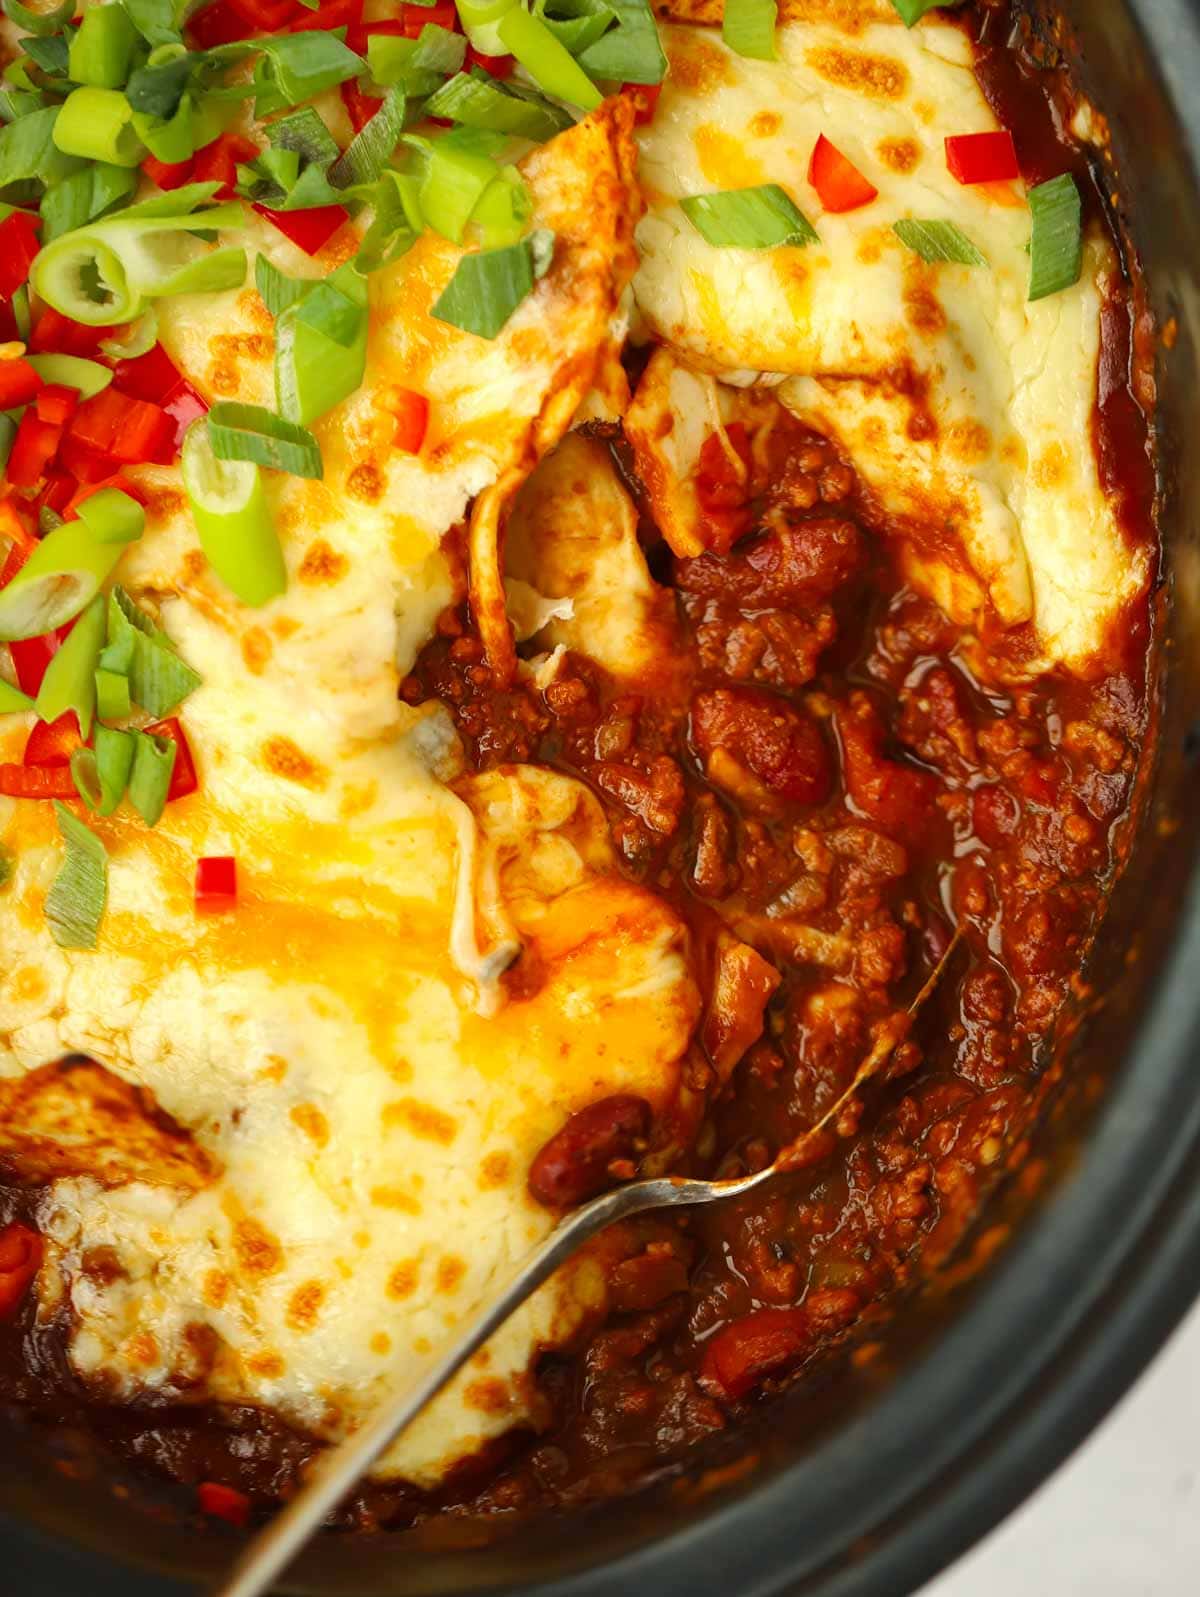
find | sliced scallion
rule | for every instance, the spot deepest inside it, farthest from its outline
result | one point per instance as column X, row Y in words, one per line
column 112, row 516
column 489, row 286
column 369, row 150
column 237, row 530
column 72, row 371
column 39, row 22
column 102, row 47
column 910, row 12
column 939, row 241
column 302, row 65
column 275, row 288
column 250, row 432
column 550, row 64
column 61, row 576
column 112, row 695
column 12, row 700
column 748, row 28
column 70, row 679
column 83, row 196
column 480, row 20
column 78, row 894
column 749, row 219
column 503, row 211
column 158, row 679
column 140, row 339
column 631, row 52
column 478, row 102
column 150, row 778
column 157, row 90
column 1056, row 249
column 158, row 21
column 101, row 773
column 28, row 150
column 97, row 125
column 457, row 173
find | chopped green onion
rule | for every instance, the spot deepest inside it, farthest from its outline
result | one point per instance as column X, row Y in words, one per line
column 1056, row 249
column 457, row 173
column 70, row 679
column 939, row 241
column 102, row 48
column 104, row 273
column 73, row 371
column 503, row 210
column 12, row 700
column 583, row 23
column 170, row 139
column 22, row 315
column 113, row 516
column 392, row 230
column 631, row 52
column 112, row 695
column 78, row 894
column 141, row 338
column 748, row 28
column 910, row 12
column 97, row 125
column 83, row 196
column 14, row 105
column 8, row 436
column 158, row 90
column 158, row 679
column 416, row 65
column 39, row 22
column 61, row 577
column 478, row 102
column 303, row 65
column 305, row 133
column 749, row 219
column 150, row 778
column 101, row 774
column 368, row 152
column 237, row 532
column 551, row 65
column 489, row 286
column 28, row 150
column 314, row 372
column 158, row 21
column 480, row 19
column 275, row 288
column 249, row 432
column 51, row 55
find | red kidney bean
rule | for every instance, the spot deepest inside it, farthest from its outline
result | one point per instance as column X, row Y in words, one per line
column 574, row 1164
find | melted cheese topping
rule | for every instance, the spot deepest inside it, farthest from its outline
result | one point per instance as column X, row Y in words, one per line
column 966, row 410
column 358, row 1110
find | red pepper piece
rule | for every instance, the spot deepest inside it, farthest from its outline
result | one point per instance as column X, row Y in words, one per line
column 218, row 162
column 21, row 542
column 645, row 99
column 334, row 14
column 20, row 1261
column 37, row 782
column 169, row 174
column 310, row 230
column 412, row 419
column 30, row 657
column 18, row 246
column 85, row 490
column 34, row 447
column 223, row 1502
column 127, row 430
column 56, row 402
column 357, row 36
column 216, row 24
column 53, row 742
column 360, row 107
column 56, row 495
column 19, row 383
column 264, row 16
column 153, row 376
column 982, row 157
column 216, row 884
column 497, row 66
column 86, row 464
column 55, row 333
column 839, row 184
column 442, row 15
column 183, row 777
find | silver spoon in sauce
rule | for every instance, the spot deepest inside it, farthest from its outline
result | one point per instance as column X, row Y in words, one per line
column 339, row 1471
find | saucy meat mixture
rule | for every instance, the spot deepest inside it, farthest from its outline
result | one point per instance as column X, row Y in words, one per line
column 816, row 767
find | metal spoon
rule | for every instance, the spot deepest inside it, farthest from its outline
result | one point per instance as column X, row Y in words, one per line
column 339, row 1470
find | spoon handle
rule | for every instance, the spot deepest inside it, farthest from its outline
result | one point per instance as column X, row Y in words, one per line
column 343, row 1466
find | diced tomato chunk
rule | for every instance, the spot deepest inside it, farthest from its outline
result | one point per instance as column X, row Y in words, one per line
column 839, row 184
column 899, row 797
column 309, row 230
column 982, row 157
column 20, row 1260
column 18, row 247
column 34, row 447
column 770, row 737
column 216, row 884
column 54, row 742
column 19, row 383
column 223, row 1502
column 719, row 483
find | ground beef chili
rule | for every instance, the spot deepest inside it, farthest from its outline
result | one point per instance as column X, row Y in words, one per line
column 820, row 773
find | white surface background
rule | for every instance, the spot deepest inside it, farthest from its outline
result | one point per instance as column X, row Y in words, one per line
column 1122, row 1517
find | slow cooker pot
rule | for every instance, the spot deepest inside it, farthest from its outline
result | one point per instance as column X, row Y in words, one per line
column 996, row 1373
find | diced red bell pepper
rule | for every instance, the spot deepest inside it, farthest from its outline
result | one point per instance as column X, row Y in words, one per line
column 360, row 107
column 442, row 15
column 216, row 24
column 497, row 66
column 223, row 1502
column 19, row 383
column 169, row 174
column 333, row 14
column 218, row 162
column 18, row 246
column 183, row 776
column 53, row 742
column 982, row 157
column 54, row 333
column 839, row 184
column 412, row 419
column 84, row 463
column 153, row 376
column 310, row 230
column 59, row 487
column 358, row 35
column 30, row 657
column 216, row 884
column 56, row 402
column 37, row 782
column 645, row 99
column 34, row 447
column 20, row 1261
column 264, row 16
column 127, row 430
column 21, row 542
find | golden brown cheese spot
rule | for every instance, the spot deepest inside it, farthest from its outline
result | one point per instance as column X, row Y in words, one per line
column 969, row 441
column 142, row 1349
column 285, row 627
column 322, row 563
column 870, row 248
column 422, row 1119
column 356, row 800
column 394, row 1198
column 1051, row 467
column 275, row 1069
column 256, row 650
column 282, row 758
column 365, row 483
column 311, row 1122
column 198, row 1358
column 193, row 566
column 494, row 1170
column 258, row 1252
column 901, row 155
column 216, row 1288
column 223, row 379
column 877, row 76
column 723, row 159
column 921, row 304
column 765, row 124
column 450, row 1272
column 698, row 65
column 251, row 306
column 489, row 1396
column 162, row 504
column 269, row 1365
column 402, row 1282
column 926, row 112
column 304, row 1305
column 27, row 984
column 381, row 1343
